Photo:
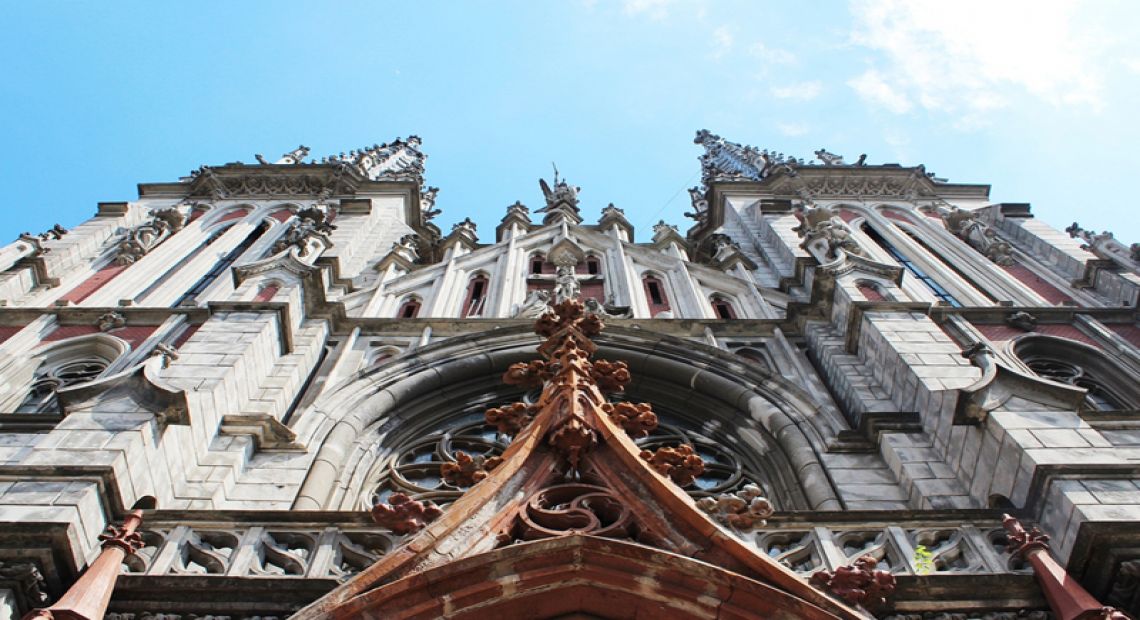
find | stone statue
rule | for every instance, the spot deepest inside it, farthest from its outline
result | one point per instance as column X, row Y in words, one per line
column 566, row 285
column 536, row 304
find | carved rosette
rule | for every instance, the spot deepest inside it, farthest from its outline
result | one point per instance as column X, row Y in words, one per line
column 858, row 584
column 403, row 515
column 468, row 470
column 682, row 465
column 574, row 509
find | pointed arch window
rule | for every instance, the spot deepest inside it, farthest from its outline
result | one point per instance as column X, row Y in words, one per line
column 476, row 296
column 221, row 266
column 593, row 265
column 722, row 308
column 50, row 378
column 409, row 309
column 655, row 294
column 537, row 265
column 914, row 270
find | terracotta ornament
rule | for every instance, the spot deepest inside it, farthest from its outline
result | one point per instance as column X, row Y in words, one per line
column 403, row 515
column 682, row 465
column 859, row 584
column 468, row 470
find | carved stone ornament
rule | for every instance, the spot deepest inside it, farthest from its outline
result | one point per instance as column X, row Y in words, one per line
column 745, row 510
column 310, row 225
column 427, row 203
column 858, row 584
column 168, row 353
column 536, row 304
column 110, row 320
column 27, row 580
column 682, row 465
column 399, row 160
column 510, row 419
column 1022, row 320
column 825, row 233
column 566, row 509
column 966, row 226
column 638, row 419
column 403, row 515
column 468, row 470
column 141, row 239
column 724, row 160
column 292, row 158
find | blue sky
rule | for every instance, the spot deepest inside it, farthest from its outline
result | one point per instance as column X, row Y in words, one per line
column 1037, row 99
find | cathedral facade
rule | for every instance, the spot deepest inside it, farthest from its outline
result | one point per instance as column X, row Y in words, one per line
column 838, row 393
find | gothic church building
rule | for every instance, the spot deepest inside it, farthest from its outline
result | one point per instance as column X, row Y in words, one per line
column 291, row 394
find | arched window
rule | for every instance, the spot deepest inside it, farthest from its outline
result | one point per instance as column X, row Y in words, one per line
column 593, row 265
column 914, row 270
column 476, row 296
column 537, row 264
column 870, row 291
column 63, row 365
column 722, row 308
column 655, row 294
column 221, row 266
column 409, row 309
column 1110, row 387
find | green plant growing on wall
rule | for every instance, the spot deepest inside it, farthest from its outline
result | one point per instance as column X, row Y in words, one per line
column 923, row 560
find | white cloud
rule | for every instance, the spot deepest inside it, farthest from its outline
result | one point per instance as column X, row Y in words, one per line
column 793, row 129
column 971, row 56
column 653, row 9
column 722, row 42
column 803, row 91
column 874, row 89
column 1132, row 64
column 772, row 56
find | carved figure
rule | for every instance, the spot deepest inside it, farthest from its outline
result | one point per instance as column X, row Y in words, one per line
column 566, row 285
column 682, row 465
column 167, row 352
column 140, row 240
column 110, row 320
column 536, row 304
column 561, row 193
column 403, row 515
column 1022, row 320
column 965, row 225
column 859, row 584
column 427, row 203
column 823, row 231
column 745, row 510
column 831, row 159
column 309, row 225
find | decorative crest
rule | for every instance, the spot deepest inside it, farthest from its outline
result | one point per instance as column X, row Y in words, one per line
column 729, row 161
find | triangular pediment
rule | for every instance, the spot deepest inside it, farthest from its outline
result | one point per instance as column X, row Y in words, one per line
column 571, row 483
